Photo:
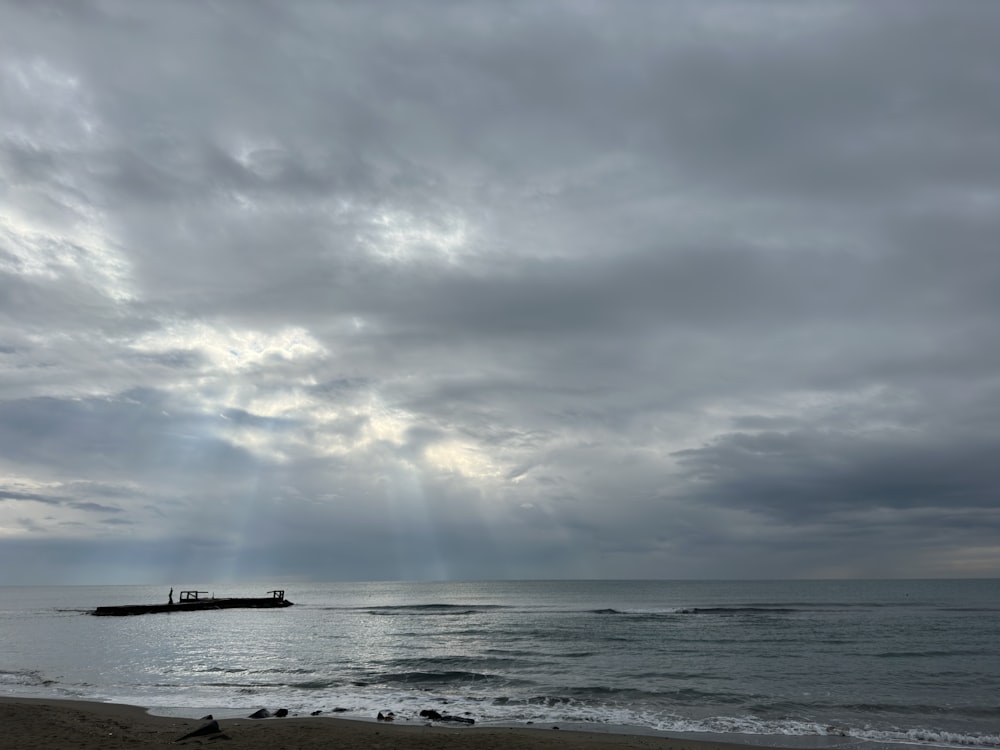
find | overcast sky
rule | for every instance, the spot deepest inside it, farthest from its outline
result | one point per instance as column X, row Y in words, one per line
column 462, row 290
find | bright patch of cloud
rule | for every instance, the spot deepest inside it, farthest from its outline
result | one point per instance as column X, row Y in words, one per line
column 458, row 457
column 83, row 252
column 231, row 350
column 402, row 237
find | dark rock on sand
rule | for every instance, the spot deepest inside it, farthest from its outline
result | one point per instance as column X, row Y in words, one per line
column 281, row 712
column 387, row 716
column 430, row 713
column 262, row 713
column 206, row 718
column 211, row 728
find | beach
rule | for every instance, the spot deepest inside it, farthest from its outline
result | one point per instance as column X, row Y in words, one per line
column 81, row 725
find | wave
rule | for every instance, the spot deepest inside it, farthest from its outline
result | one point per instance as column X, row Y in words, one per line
column 595, row 695
column 510, row 652
column 247, row 672
column 932, row 653
column 778, row 608
column 436, row 677
column 674, row 611
column 23, row 678
column 569, row 708
column 452, row 663
column 932, row 737
column 315, row 684
column 792, row 728
column 921, row 710
column 738, row 610
column 430, row 609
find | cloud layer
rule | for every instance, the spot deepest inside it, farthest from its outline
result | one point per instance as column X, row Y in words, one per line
column 520, row 290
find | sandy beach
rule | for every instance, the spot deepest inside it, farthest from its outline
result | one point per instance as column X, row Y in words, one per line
column 61, row 725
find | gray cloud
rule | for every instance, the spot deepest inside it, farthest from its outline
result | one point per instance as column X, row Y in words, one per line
column 10, row 495
column 533, row 290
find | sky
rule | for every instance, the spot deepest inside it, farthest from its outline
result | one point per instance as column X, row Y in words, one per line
column 498, row 290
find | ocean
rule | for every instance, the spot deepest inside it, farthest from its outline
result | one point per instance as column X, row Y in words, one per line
column 794, row 663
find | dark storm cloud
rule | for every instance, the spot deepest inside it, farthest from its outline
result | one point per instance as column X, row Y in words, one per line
column 522, row 290
column 811, row 475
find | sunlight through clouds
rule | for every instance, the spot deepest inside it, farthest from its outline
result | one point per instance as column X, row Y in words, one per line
column 403, row 237
column 465, row 459
column 252, row 371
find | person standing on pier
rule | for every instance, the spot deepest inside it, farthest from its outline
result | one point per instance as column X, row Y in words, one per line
column 170, row 596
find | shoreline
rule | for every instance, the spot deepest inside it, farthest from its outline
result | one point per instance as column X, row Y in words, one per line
column 57, row 723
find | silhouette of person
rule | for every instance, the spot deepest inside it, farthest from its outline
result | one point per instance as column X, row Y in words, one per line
column 170, row 596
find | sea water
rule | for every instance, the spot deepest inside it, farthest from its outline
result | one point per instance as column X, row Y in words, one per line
column 830, row 663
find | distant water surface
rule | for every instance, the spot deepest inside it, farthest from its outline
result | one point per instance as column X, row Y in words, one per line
column 824, row 663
